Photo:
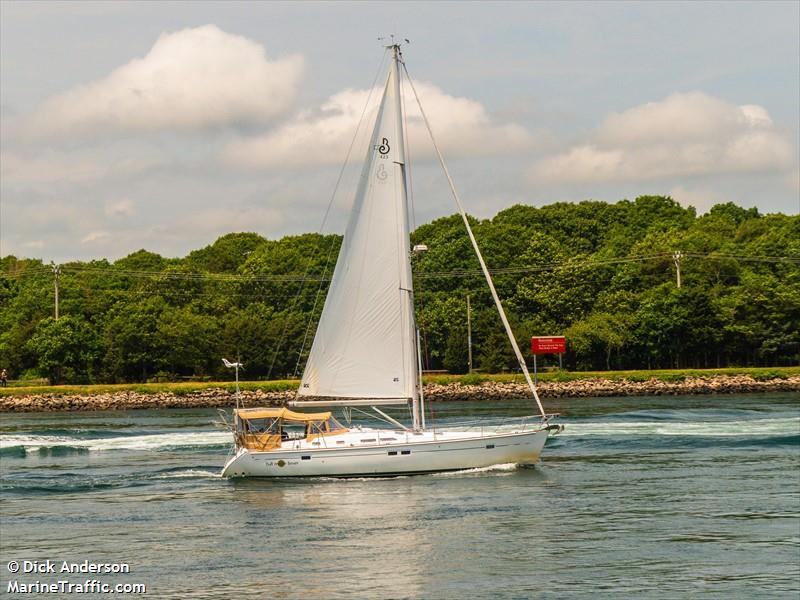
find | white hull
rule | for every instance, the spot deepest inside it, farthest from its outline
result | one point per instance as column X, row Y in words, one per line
column 423, row 452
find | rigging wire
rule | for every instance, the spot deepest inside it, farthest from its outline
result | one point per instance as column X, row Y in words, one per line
column 484, row 268
column 313, row 310
column 416, row 285
column 408, row 151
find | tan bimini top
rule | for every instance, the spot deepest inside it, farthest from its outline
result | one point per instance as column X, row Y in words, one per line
column 263, row 429
column 281, row 413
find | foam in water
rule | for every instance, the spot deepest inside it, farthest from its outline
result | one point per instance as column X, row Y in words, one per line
column 504, row 467
column 34, row 443
column 750, row 427
column 191, row 474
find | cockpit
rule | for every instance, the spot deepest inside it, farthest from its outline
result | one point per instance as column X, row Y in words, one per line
column 265, row 429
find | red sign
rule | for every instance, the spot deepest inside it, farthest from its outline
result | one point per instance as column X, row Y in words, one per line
column 549, row 345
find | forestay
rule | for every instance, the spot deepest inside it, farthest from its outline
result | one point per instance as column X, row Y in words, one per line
column 364, row 345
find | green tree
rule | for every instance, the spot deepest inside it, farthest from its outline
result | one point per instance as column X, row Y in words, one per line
column 600, row 272
column 227, row 254
column 456, row 355
column 594, row 339
column 134, row 349
column 188, row 342
column 67, row 350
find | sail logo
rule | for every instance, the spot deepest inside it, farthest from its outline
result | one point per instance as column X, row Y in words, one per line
column 384, row 148
column 381, row 174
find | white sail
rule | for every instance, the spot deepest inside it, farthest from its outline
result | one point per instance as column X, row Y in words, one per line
column 364, row 345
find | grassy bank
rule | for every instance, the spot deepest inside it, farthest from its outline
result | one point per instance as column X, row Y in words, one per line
column 757, row 373
column 150, row 388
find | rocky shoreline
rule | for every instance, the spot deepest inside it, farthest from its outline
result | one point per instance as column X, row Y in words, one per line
column 487, row 391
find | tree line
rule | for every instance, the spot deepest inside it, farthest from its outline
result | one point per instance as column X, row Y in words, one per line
column 604, row 275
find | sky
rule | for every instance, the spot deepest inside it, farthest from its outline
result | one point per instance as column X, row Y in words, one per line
column 163, row 126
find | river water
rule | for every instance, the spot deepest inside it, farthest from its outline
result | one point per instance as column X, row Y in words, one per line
column 638, row 498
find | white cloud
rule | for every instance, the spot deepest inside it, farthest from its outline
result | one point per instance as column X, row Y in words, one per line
column 462, row 127
column 220, row 220
column 95, row 236
column 121, row 208
column 793, row 179
column 193, row 78
column 702, row 198
column 683, row 135
column 43, row 168
column 47, row 167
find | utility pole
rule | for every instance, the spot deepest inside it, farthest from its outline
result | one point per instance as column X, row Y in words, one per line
column 676, row 257
column 56, row 274
column 469, row 336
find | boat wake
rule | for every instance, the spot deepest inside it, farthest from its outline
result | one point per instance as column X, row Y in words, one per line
column 500, row 468
column 60, row 445
column 641, row 431
column 710, row 428
column 189, row 474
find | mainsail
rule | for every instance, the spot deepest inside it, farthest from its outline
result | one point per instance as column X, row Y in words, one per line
column 364, row 345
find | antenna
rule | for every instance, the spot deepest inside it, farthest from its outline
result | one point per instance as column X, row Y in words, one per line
column 393, row 43
column 235, row 365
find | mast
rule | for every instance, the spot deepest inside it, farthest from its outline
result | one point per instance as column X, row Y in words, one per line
column 406, row 283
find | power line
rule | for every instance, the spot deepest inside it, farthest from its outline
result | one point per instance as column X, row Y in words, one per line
column 744, row 258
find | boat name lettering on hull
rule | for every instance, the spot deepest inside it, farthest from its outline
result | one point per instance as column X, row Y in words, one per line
column 281, row 463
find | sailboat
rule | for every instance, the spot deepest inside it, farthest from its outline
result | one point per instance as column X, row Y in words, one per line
column 366, row 349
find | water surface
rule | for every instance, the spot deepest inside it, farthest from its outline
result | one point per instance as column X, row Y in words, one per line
column 638, row 498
